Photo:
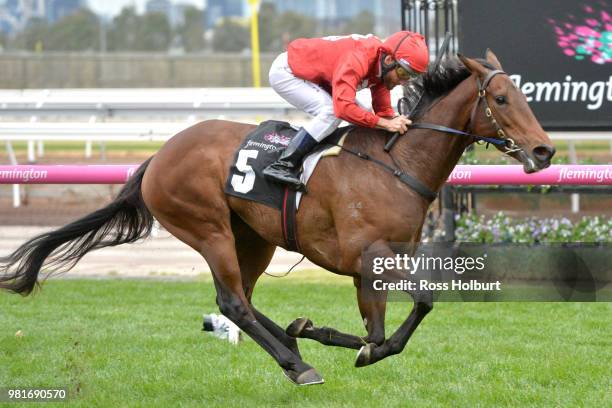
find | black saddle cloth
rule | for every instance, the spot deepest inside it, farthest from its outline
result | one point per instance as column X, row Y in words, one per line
column 260, row 148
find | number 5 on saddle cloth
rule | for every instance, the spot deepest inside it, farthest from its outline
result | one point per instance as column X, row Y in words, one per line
column 262, row 147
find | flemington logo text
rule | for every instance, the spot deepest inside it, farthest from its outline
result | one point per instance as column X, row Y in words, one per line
column 599, row 175
column 26, row 175
column 460, row 174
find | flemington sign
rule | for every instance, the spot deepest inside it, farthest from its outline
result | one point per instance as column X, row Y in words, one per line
column 558, row 52
column 462, row 174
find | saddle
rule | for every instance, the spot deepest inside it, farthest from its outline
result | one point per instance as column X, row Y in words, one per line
column 262, row 147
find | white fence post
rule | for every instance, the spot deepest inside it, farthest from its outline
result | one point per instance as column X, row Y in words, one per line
column 89, row 143
column 16, row 187
column 31, row 152
column 575, row 197
column 88, row 149
column 41, row 148
column 31, row 145
column 16, row 196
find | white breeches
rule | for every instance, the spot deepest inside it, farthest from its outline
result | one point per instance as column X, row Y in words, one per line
column 306, row 96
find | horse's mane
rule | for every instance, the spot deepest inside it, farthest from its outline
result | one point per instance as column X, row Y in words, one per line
column 423, row 92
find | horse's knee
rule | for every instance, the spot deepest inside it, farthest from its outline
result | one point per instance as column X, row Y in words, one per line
column 234, row 309
column 392, row 347
column 376, row 337
column 423, row 307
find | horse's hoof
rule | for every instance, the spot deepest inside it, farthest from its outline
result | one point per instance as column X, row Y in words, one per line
column 308, row 377
column 364, row 355
column 298, row 326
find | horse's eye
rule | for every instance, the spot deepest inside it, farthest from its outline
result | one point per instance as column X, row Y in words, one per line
column 500, row 100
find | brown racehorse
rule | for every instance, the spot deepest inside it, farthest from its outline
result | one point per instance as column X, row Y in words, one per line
column 352, row 205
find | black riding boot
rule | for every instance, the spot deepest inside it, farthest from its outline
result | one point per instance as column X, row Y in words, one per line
column 285, row 170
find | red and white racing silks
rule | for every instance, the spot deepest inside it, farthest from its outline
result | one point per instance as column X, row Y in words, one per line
column 342, row 65
column 321, row 76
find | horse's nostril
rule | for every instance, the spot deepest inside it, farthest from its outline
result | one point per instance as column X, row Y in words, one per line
column 543, row 153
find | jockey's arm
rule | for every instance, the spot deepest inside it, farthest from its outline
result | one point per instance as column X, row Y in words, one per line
column 381, row 101
column 346, row 78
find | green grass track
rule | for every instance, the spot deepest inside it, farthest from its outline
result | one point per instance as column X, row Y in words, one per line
column 68, row 146
column 138, row 343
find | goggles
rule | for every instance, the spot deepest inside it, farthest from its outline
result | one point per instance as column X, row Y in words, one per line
column 404, row 71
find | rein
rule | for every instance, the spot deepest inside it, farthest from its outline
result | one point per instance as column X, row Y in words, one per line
column 444, row 129
column 405, row 178
column 506, row 143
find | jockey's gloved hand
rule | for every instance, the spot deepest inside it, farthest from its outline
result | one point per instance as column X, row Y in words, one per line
column 399, row 124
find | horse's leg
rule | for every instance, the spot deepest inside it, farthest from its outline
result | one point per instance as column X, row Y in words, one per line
column 220, row 253
column 423, row 303
column 371, row 353
column 254, row 256
column 373, row 315
column 373, row 309
column 214, row 239
column 304, row 329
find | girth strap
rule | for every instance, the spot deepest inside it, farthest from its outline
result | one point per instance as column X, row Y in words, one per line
column 289, row 220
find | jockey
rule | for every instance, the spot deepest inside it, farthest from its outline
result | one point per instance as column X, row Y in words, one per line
column 321, row 76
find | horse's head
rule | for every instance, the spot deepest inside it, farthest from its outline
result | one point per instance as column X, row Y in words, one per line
column 502, row 112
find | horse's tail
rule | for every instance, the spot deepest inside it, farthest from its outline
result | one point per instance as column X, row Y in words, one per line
column 124, row 220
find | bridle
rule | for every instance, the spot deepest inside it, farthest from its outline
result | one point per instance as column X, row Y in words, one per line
column 506, row 144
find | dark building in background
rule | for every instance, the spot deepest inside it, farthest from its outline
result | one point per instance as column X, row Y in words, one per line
column 333, row 12
column 158, row 6
column 346, row 9
column 15, row 14
column 10, row 15
column 308, row 8
column 57, row 9
column 173, row 12
column 216, row 10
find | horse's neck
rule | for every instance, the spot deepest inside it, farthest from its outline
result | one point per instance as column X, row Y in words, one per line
column 431, row 155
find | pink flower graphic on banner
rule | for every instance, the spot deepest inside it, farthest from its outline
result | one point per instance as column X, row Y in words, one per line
column 277, row 139
column 589, row 39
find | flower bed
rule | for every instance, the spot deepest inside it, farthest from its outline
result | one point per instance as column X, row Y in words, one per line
column 550, row 249
column 504, row 229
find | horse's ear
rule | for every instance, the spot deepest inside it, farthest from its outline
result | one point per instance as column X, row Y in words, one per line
column 492, row 59
column 473, row 65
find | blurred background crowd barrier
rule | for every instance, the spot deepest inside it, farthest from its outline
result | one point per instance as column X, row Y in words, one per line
column 122, row 70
